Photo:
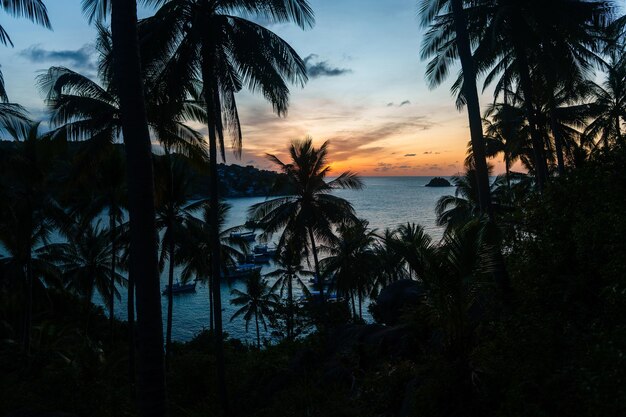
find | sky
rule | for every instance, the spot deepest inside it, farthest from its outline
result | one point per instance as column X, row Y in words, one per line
column 366, row 93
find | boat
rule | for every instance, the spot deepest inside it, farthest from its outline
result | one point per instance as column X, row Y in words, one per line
column 246, row 236
column 264, row 250
column 179, row 288
column 243, row 270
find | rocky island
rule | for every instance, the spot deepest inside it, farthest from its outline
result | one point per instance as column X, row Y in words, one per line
column 439, row 182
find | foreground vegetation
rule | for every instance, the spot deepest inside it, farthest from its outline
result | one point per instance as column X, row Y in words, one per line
column 516, row 311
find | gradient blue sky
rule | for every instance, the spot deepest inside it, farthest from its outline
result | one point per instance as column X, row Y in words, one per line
column 367, row 93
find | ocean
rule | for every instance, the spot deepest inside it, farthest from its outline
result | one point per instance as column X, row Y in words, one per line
column 385, row 202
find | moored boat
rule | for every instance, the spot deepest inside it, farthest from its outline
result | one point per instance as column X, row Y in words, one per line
column 179, row 288
column 247, row 236
column 242, row 270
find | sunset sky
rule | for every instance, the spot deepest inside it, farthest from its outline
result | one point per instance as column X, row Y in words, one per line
column 366, row 92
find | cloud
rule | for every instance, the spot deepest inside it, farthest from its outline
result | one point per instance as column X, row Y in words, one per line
column 404, row 103
column 428, row 153
column 316, row 68
column 79, row 59
column 410, row 155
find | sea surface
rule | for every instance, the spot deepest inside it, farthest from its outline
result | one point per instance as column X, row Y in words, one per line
column 385, row 202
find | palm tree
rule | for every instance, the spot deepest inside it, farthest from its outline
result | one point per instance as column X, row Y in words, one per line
column 507, row 133
column 212, row 39
column 608, row 106
column 173, row 191
column 289, row 271
column 85, row 262
column 449, row 38
column 33, row 10
column 311, row 210
column 526, row 40
column 257, row 302
column 195, row 251
column 143, row 264
column 352, row 262
column 391, row 266
column 414, row 245
column 29, row 211
column 454, row 211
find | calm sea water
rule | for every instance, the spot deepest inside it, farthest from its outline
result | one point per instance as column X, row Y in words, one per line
column 385, row 202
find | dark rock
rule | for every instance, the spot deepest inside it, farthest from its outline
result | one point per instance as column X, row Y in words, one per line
column 439, row 182
column 394, row 299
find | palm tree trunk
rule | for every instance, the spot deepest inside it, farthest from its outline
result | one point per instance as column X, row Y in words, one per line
column 28, row 314
column 541, row 169
column 170, row 295
column 290, row 308
column 113, row 230
column 213, row 113
column 473, row 106
column 211, row 317
column 143, row 265
column 353, row 302
column 558, row 138
column 320, row 280
column 171, row 263
column 258, row 333
column 130, row 309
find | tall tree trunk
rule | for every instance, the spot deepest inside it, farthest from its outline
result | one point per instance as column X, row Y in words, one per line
column 28, row 314
column 353, row 302
column 541, row 169
column 113, row 230
column 320, row 279
column 170, row 294
column 171, row 263
column 213, row 113
column 211, row 314
column 258, row 333
column 130, row 309
column 558, row 137
column 290, row 308
column 143, row 266
column 473, row 106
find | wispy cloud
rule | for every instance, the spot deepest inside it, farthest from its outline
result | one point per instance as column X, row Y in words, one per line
column 79, row 59
column 410, row 155
column 317, row 68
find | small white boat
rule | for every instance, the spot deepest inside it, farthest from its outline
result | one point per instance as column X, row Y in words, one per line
column 247, row 236
column 179, row 288
column 243, row 270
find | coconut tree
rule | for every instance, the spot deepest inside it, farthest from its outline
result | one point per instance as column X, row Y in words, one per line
column 454, row 211
column 608, row 108
column 352, row 262
column 85, row 262
column 391, row 265
column 33, row 10
column 211, row 38
column 256, row 302
column 289, row 271
column 450, row 37
column 29, row 211
column 414, row 245
column 526, row 40
column 194, row 252
column 311, row 211
column 143, row 264
column 173, row 191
